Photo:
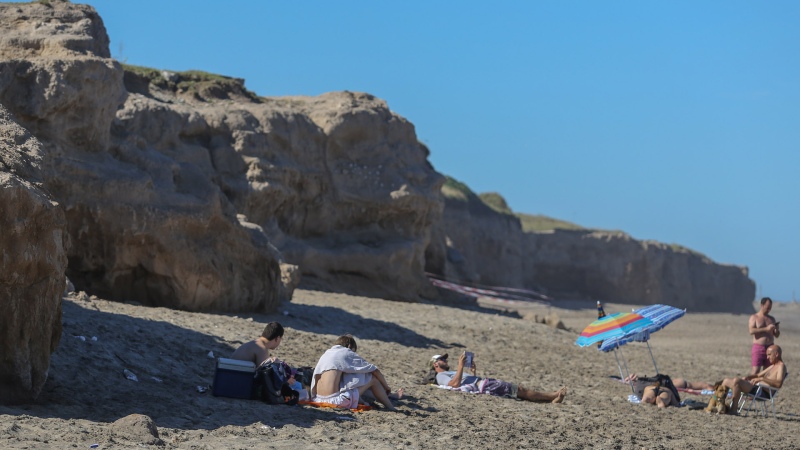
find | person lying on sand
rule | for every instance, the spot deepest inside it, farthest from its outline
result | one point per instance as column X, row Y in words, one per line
column 460, row 380
column 680, row 383
column 772, row 376
column 342, row 376
column 659, row 396
column 258, row 349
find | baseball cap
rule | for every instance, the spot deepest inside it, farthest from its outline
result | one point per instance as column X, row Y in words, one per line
column 435, row 358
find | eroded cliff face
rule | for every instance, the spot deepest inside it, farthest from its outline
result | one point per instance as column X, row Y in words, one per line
column 477, row 244
column 33, row 240
column 188, row 191
column 338, row 182
column 613, row 267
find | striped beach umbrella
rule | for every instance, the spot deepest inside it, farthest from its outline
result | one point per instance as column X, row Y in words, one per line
column 612, row 326
column 660, row 315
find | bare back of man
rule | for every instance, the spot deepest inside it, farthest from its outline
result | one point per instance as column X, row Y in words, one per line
column 256, row 351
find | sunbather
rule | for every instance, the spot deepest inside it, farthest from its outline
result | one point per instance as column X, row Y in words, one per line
column 659, row 396
column 471, row 383
column 681, row 383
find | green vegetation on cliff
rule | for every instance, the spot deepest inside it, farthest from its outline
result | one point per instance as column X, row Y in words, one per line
column 538, row 222
column 199, row 84
column 456, row 190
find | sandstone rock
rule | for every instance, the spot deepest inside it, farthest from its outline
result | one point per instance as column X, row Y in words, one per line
column 153, row 167
column 613, row 267
column 32, row 264
column 477, row 244
column 290, row 279
column 147, row 224
column 136, row 428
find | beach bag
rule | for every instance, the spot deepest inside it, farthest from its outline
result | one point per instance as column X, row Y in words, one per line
column 270, row 384
column 304, row 375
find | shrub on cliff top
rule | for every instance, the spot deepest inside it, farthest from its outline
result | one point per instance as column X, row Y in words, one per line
column 201, row 85
column 456, row 190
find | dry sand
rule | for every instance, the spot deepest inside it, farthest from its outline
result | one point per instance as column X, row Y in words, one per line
column 87, row 394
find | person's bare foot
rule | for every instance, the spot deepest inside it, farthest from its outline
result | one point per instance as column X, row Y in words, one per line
column 560, row 394
column 397, row 395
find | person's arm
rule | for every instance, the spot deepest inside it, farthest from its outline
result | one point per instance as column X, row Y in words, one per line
column 775, row 331
column 775, row 381
column 754, row 329
column 456, row 380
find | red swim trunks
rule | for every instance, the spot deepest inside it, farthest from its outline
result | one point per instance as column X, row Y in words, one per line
column 758, row 356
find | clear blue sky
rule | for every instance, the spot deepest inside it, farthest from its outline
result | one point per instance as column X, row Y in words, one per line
column 675, row 121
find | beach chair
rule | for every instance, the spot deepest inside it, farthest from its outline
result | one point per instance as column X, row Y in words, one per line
column 761, row 396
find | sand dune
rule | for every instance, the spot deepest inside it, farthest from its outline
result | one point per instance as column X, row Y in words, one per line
column 87, row 393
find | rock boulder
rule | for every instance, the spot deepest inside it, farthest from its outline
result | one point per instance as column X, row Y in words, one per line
column 33, row 238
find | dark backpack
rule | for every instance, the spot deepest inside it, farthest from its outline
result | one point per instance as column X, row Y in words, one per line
column 270, row 386
column 304, row 375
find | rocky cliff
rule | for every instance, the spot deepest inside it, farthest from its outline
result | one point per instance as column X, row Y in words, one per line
column 186, row 190
column 33, row 240
column 478, row 243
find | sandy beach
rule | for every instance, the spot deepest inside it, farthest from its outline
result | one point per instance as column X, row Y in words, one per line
column 88, row 400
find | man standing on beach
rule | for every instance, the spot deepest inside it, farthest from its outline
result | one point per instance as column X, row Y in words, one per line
column 462, row 381
column 764, row 329
column 258, row 349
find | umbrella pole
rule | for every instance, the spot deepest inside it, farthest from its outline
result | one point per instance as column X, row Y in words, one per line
column 651, row 356
column 630, row 382
column 618, row 365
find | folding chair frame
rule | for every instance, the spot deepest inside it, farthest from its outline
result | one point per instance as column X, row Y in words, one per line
column 762, row 395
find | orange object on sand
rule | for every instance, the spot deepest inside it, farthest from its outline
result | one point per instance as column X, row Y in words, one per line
column 331, row 405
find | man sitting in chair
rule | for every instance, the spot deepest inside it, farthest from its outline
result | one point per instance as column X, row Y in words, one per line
column 772, row 376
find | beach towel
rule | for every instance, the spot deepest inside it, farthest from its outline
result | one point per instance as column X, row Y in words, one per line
column 360, row 408
column 697, row 391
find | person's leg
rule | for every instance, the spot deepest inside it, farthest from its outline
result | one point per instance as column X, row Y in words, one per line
column 686, row 384
column 663, row 399
column 737, row 386
column 534, row 396
column 377, row 390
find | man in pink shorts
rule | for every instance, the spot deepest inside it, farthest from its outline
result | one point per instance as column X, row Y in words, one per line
column 764, row 329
